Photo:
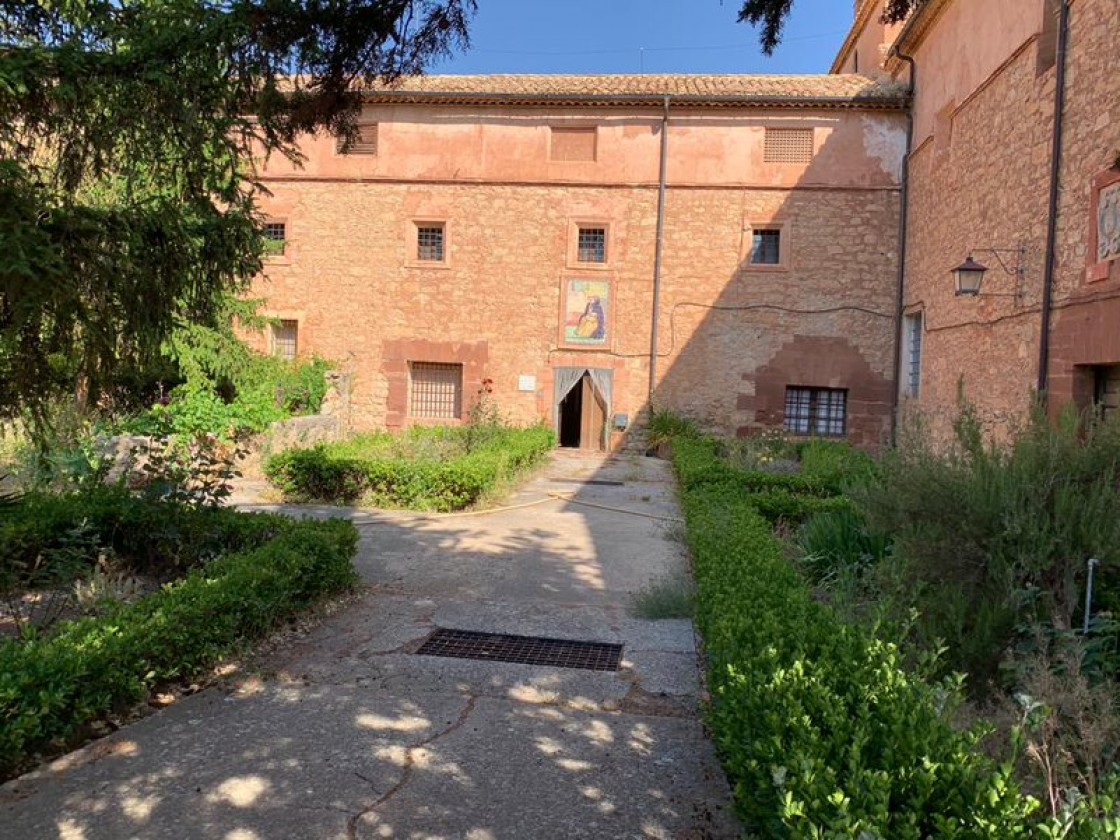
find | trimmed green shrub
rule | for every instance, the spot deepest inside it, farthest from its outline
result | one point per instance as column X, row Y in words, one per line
column 780, row 506
column 51, row 687
column 822, row 730
column 439, row 469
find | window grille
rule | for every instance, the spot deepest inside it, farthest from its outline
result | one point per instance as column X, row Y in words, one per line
column 788, row 145
column 592, row 245
column 364, row 143
column 429, row 243
column 572, row 144
column 766, row 247
column 435, row 390
column 285, row 339
column 816, row 411
column 913, row 350
column 275, row 237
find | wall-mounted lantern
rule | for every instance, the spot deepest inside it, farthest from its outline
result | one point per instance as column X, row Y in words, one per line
column 969, row 275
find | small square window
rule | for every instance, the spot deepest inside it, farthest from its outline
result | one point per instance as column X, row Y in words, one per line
column 275, row 238
column 816, row 411
column 592, row 245
column 430, row 243
column 435, row 390
column 285, row 339
column 364, row 141
column 766, row 247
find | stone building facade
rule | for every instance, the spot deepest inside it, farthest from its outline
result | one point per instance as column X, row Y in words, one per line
column 500, row 234
column 979, row 182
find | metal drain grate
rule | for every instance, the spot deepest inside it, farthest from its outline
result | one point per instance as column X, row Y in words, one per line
column 529, row 650
column 600, row 482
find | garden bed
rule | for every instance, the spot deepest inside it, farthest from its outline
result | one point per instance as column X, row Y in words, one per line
column 229, row 578
column 440, row 469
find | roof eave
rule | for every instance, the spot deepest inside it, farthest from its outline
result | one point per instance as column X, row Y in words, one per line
column 914, row 31
column 862, row 17
column 890, row 102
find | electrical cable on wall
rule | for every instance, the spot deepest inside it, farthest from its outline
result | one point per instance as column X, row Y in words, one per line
column 831, row 310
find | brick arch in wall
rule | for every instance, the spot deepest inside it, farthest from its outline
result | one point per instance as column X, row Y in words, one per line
column 820, row 362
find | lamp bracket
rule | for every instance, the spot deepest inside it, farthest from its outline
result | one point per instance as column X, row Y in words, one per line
column 1003, row 257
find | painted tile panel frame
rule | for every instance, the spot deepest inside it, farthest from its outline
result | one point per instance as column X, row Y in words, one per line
column 586, row 313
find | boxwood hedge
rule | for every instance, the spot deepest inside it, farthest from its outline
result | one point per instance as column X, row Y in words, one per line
column 822, row 730
column 53, row 686
column 384, row 476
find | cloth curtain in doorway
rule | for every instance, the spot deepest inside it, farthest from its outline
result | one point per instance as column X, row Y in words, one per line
column 601, row 379
column 564, row 379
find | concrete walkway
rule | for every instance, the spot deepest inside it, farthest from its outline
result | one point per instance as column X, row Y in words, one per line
column 348, row 733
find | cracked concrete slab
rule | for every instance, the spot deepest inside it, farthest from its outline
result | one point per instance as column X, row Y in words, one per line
column 347, row 733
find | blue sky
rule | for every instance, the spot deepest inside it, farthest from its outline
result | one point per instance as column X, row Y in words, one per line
column 654, row 36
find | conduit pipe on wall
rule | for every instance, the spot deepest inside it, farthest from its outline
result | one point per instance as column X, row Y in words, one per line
column 903, row 223
column 655, row 314
column 1052, row 221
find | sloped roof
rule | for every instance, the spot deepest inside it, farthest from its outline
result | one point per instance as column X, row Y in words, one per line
column 847, row 90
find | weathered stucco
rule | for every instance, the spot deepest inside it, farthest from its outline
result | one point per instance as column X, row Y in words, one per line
column 511, row 215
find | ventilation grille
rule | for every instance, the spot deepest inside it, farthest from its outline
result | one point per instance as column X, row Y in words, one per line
column 788, row 145
column 526, row 650
column 573, row 144
column 365, row 141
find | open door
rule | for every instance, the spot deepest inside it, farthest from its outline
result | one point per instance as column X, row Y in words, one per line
column 581, row 412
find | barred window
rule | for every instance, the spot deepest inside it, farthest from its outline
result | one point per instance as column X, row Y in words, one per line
column 592, row 245
column 788, row 145
column 429, row 243
column 285, row 339
column 816, row 411
column 766, row 247
column 435, row 390
column 364, row 142
column 913, row 357
column 275, row 238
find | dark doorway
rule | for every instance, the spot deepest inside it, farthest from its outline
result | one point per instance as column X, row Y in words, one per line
column 582, row 416
column 571, row 413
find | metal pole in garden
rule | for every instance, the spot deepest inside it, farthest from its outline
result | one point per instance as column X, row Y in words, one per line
column 1093, row 563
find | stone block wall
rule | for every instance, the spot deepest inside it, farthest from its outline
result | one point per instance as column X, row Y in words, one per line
column 979, row 180
column 494, row 305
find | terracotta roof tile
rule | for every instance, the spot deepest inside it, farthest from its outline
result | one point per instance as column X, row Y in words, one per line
column 841, row 89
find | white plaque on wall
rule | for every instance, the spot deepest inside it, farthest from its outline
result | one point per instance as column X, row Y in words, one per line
column 526, row 383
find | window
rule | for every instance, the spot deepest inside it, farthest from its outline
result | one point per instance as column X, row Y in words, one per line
column 592, row 245
column 285, row 339
column 912, row 358
column 788, row 145
column 816, row 411
column 572, row 144
column 429, row 242
column 364, row 142
column 766, row 247
column 275, row 238
column 1106, row 389
column 435, row 390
